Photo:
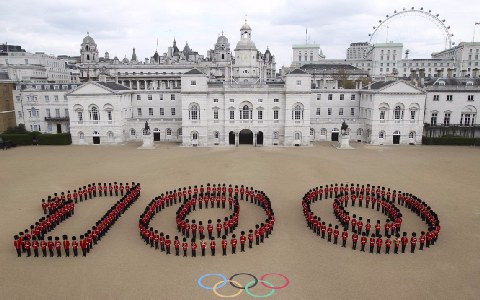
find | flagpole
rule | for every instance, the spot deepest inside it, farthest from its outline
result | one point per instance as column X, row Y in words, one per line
column 474, row 27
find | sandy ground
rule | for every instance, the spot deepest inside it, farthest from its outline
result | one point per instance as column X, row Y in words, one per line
column 122, row 267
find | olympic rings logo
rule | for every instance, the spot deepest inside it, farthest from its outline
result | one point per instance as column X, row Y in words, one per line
column 247, row 287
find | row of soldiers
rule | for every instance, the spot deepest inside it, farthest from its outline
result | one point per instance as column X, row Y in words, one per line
column 190, row 199
column 380, row 198
column 34, row 239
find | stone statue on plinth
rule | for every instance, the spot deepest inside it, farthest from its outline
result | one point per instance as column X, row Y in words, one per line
column 344, row 128
column 146, row 130
column 344, row 142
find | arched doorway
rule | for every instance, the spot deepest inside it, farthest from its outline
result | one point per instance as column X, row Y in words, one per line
column 231, row 138
column 396, row 137
column 245, row 137
column 335, row 133
column 259, row 138
column 96, row 138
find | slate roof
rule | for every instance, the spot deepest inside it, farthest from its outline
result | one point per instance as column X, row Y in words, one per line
column 321, row 67
column 114, row 86
column 379, row 84
column 297, row 71
column 452, row 81
column 194, row 72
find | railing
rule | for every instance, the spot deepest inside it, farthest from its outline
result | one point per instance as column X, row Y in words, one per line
column 57, row 119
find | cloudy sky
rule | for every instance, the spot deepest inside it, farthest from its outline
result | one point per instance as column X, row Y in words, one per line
column 58, row 27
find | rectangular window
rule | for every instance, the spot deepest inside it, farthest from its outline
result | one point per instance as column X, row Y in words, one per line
column 446, row 119
column 150, row 111
column 109, row 115
column 449, row 97
column 352, row 111
column 232, row 114
column 193, row 82
column 139, row 97
column 329, row 112
column 275, row 100
column 215, row 100
column 215, row 114
column 340, row 112
column 412, row 114
column 139, row 112
column 80, row 116
column 162, row 111
column 48, row 113
column 66, row 112
column 436, row 97
column 319, row 96
column 161, row 96
column 382, row 115
column 275, row 114
column 55, row 98
column 172, row 97
column 49, row 127
column 318, row 111
column 232, row 100
column 342, row 96
column 57, row 112
column 150, row 97
column 260, row 100
column 470, row 97
column 260, row 114
column 299, row 82
column 352, row 97
column 433, row 119
column 330, row 96
column 47, row 98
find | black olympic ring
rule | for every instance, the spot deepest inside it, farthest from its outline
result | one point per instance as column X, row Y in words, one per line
column 255, row 279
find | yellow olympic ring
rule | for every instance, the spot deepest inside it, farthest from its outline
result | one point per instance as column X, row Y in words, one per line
column 227, row 296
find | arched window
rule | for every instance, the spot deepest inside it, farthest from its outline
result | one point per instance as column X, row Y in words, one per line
column 411, row 134
column 132, row 132
column 245, row 113
column 323, row 131
column 297, row 113
column 275, row 135
column 359, row 131
column 81, row 136
column 381, row 134
column 194, row 112
column 216, row 134
column 110, row 135
column 297, row 135
column 398, row 113
column 312, row 131
column 169, row 131
column 94, row 115
column 396, row 132
column 194, row 135
column 179, row 131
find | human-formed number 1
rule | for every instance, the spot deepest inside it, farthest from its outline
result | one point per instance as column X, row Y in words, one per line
column 60, row 208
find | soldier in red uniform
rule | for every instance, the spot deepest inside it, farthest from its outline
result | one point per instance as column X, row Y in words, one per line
column 257, row 235
column 396, row 242
column 203, row 245
column 66, row 245
column 184, row 247
column 372, row 242
column 219, row 228
column 404, row 241
column 377, row 228
column 27, row 245
column 193, row 245
column 213, row 246
column 388, row 242
column 176, row 244
column 17, row 243
column 422, row 240
column 413, row 242
column 74, row 246
column 363, row 241
column 168, row 243
column 329, row 232
column 233, row 242
column 201, row 230
column 344, row 237
column 368, row 226
column 224, row 246
column 243, row 240
column 379, row 243
column 336, row 232
column 354, row 240
column 250, row 238
column 210, row 229
column 58, row 246
column 43, row 245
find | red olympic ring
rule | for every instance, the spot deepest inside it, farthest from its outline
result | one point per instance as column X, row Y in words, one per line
column 287, row 281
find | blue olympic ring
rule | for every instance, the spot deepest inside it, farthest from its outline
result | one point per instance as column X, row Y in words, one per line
column 200, row 284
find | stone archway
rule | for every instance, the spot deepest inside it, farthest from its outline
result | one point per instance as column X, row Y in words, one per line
column 245, row 137
column 259, row 138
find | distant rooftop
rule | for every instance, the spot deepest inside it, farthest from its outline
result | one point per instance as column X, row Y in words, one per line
column 113, row 86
